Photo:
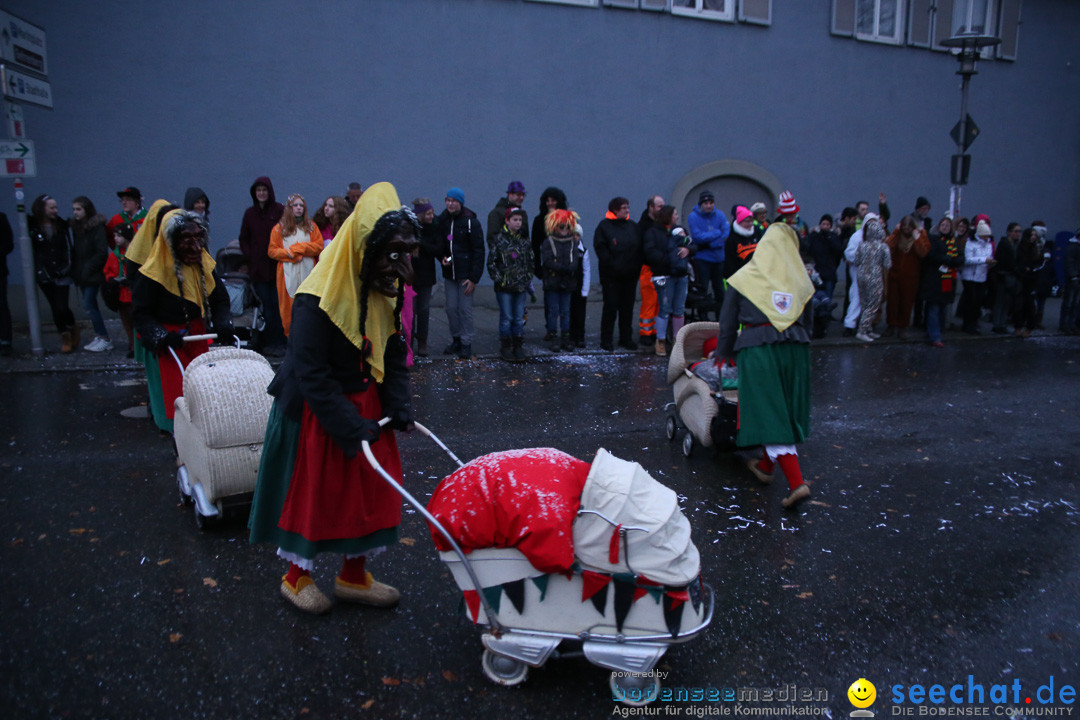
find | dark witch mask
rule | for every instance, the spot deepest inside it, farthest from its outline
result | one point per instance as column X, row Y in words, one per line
column 391, row 247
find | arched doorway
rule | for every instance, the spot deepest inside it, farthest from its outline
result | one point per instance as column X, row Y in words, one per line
column 732, row 182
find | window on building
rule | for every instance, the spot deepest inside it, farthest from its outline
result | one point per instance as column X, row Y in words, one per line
column 879, row 20
column 622, row 3
column 758, row 12
column 658, row 5
column 586, row 3
column 707, row 9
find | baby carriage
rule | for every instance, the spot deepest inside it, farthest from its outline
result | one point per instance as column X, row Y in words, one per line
column 248, row 319
column 706, row 407
column 219, row 425
column 595, row 556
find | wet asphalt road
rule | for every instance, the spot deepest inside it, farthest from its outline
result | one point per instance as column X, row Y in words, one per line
column 941, row 541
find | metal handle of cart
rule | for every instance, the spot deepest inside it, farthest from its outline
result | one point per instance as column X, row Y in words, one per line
column 496, row 627
column 193, row 338
column 623, row 529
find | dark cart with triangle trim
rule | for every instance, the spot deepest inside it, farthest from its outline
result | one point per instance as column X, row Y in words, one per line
column 620, row 621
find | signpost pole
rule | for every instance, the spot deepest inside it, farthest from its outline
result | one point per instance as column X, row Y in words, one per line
column 33, row 316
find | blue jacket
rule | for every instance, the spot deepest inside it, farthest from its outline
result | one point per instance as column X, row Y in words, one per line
column 709, row 233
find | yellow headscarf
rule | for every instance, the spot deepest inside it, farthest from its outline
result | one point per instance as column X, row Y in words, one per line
column 140, row 246
column 160, row 267
column 336, row 279
column 775, row 279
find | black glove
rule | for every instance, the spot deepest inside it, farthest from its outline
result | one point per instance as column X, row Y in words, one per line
column 369, row 430
column 171, row 339
column 401, row 419
column 225, row 338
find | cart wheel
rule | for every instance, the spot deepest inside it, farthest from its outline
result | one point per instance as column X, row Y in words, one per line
column 670, row 427
column 201, row 521
column 687, row 444
column 503, row 670
column 185, row 499
column 634, row 689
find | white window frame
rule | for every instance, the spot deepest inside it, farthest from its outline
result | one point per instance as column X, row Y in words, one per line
column 699, row 11
column 656, row 5
column 897, row 37
column 582, row 3
column 629, row 4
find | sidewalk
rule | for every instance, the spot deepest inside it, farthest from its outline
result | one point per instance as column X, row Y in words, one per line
column 485, row 342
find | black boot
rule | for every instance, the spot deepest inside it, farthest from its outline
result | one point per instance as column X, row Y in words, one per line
column 567, row 344
column 519, row 351
column 505, row 351
column 453, row 348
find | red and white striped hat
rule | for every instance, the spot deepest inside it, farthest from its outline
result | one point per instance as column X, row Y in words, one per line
column 787, row 204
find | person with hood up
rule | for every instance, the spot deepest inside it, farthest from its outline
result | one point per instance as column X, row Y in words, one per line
column 178, row 293
column 851, row 317
column 197, row 202
column 463, row 266
column 873, row 260
column 617, row 244
column 344, row 370
column 769, row 299
column 709, row 230
column 978, row 254
column 295, row 243
column 259, row 221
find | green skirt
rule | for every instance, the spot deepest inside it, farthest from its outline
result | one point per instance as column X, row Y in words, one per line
column 774, row 394
column 153, row 386
column 272, row 487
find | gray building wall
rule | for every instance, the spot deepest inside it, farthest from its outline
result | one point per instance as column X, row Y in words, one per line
column 599, row 101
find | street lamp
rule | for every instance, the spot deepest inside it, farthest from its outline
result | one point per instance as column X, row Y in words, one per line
column 969, row 36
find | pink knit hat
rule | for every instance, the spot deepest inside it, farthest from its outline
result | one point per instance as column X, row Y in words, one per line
column 787, row 204
column 741, row 213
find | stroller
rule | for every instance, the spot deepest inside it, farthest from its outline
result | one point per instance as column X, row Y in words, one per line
column 628, row 536
column 700, row 301
column 219, row 425
column 704, row 410
column 247, row 312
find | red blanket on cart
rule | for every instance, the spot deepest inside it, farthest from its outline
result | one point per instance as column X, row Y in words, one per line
column 524, row 499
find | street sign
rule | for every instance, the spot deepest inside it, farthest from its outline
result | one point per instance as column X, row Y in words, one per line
column 17, row 158
column 20, row 86
column 22, row 44
column 961, row 167
column 16, row 122
column 971, row 131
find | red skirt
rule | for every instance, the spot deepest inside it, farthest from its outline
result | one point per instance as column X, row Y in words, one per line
column 172, row 379
column 332, row 496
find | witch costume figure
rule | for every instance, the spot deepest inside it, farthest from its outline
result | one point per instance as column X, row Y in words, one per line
column 344, row 371
column 769, row 299
column 177, row 293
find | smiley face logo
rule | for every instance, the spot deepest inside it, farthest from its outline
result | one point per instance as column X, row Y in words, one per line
column 862, row 693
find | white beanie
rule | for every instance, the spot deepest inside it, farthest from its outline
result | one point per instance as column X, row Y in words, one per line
column 983, row 230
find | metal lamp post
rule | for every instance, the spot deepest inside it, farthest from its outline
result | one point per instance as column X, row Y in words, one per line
column 969, row 38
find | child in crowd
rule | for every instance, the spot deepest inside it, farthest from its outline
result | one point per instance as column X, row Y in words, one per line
column 559, row 257
column 510, row 265
column 115, row 273
column 873, row 260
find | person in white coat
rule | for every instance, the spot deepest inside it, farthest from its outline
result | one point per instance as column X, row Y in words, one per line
column 851, row 319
